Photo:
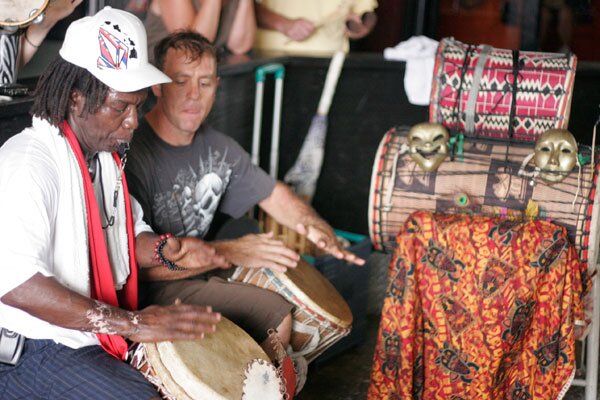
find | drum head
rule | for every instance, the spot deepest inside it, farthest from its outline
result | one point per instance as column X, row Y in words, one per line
column 20, row 12
column 215, row 367
column 314, row 290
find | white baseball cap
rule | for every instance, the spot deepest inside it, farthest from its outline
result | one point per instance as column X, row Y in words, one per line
column 112, row 46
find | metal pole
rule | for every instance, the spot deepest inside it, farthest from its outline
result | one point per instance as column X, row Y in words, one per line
column 420, row 17
column 593, row 339
column 94, row 6
column 258, row 99
column 274, row 162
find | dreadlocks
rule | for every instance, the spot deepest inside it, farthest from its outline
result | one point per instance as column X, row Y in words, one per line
column 53, row 92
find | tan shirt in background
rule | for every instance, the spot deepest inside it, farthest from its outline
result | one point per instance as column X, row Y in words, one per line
column 328, row 15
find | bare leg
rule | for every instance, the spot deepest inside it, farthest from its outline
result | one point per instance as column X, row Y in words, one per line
column 566, row 19
column 284, row 332
column 545, row 24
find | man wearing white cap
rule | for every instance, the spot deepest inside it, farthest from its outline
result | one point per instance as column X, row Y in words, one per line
column 72, row 237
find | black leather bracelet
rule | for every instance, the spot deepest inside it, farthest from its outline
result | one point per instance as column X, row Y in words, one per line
column 37, row 46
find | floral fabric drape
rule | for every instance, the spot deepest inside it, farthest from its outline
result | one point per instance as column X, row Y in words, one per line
column 479, row 308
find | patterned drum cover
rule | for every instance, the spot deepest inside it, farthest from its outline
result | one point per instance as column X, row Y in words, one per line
column 321, row 316
column 472, row 90
column 484, row 181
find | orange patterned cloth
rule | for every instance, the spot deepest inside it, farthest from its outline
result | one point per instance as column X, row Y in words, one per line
column 479, row 308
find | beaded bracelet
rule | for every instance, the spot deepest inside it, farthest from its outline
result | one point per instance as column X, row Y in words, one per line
column 160, row 257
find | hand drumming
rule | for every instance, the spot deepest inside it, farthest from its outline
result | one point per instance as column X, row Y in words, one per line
column 257, row 251
column 174, row 322
column 323, row 236
column 192, row 253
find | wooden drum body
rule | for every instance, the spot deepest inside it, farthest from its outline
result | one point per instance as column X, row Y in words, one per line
column 226, row 365
column 321, row 316
column 485, row 179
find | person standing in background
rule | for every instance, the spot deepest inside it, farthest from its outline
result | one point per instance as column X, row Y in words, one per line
column 312, row 27
column 17, row 48
column 35, row 34
column 229, row 24
column 556, row 22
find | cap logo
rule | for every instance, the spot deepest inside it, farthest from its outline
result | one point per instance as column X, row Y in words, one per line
column 115, row 52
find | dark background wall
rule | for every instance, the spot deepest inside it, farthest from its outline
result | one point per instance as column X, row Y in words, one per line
column 513, row 24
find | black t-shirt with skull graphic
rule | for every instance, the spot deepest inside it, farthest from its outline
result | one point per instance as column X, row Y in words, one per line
column 181, row 187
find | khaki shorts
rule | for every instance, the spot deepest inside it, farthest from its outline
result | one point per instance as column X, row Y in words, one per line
column 253, row 309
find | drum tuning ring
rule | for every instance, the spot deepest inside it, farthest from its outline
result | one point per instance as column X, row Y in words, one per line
column 39, row 19
column 9, row 29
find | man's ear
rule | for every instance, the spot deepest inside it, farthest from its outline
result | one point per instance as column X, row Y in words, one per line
column 156, row 90
column 76, row 103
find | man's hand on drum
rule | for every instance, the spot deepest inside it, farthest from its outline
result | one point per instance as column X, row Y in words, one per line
column 193, row 253
column 320, row 233
column 174, row 322
column 258, row 251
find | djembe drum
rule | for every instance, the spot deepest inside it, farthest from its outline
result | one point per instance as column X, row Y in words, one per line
column 226, row 365
column 483, row 180
column 483, row 91
column 321, row 316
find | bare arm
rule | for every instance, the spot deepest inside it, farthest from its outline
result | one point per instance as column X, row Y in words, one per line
column 36, row 33
column 188, row 252
column 181, row 14
column 296, row 29
column 243, row 30
column 289, row 209
column 45, row 298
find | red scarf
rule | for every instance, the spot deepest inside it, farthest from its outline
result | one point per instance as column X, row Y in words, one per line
column 103, row 285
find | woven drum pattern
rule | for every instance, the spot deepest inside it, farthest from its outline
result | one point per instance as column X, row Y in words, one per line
column 484, row 181
column 543, row 89
column 320, row 317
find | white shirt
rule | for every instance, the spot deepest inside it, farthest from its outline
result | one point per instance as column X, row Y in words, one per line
column 44, row 225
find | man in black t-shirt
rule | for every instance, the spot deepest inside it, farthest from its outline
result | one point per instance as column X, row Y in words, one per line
column 181, row 171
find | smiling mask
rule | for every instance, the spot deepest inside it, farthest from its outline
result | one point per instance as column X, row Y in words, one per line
column 555, row 154
column 428, row 145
